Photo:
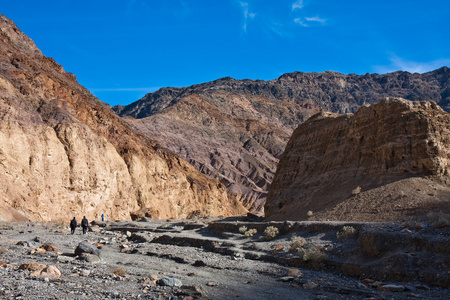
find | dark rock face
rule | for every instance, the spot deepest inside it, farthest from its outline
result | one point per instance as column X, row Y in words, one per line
column 236, row 130
column 372, row 165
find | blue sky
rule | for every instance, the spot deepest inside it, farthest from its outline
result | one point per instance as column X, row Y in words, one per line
column 121, row 50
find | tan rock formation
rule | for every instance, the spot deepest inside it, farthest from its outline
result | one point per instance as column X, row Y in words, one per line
column 64, row 153
column 377, row 164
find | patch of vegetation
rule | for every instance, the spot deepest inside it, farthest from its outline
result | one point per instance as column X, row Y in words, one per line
column 346, row 232
column 312, row 253
column 121, row 272
column 310, row 213
column 247, row 232
column 270, row 233
column 439, row 219
column 297, row 242
column 3, row 250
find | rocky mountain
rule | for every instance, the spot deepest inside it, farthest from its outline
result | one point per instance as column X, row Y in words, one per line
column 388, row 161
column 64, row 153
column 236, row 130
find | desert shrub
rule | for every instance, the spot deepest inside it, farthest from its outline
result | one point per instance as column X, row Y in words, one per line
column 439, row 220
column 296, row 243
column 242, row 229
column 251, row 232
column 247, row 232
column 270, row 233
column 3, row 250
column 121, row 272
column 346, row 232
column 312, row 253
column 310, row 213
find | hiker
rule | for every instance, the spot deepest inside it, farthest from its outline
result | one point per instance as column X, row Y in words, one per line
column 73, row 225
column 103, row 218
column 84, row 224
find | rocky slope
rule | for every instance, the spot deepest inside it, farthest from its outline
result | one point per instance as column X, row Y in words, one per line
column 64, row 153
column 236, row 130
column 388, row 161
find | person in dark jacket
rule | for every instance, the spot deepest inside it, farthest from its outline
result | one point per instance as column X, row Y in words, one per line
column 73, row 225
column 84, row 224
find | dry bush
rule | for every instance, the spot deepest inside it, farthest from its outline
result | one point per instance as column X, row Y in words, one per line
column 270, row 233
column 247, row 232
column 310, row 213
column 313, row 254
column 242, row 229
column 439, row 219
column 346, row 232
column 121, row 272
column 297, row 242
column 251, row 232
column 3, row 250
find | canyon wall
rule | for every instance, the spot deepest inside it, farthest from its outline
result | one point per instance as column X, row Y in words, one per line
column 64, row 153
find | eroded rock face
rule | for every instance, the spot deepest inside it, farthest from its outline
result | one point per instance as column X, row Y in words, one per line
column 64, row 153
column 236, row 130
column 333, row 162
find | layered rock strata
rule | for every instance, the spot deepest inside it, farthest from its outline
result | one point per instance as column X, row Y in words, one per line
column 64, row 153
column 371, row 165
column 236, row 130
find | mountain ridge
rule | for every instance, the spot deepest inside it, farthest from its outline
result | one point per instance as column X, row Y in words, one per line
column 278, row 106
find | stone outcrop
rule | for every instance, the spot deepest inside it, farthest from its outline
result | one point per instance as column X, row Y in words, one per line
column 236, row 130
column 387, row 161
column 64, row 153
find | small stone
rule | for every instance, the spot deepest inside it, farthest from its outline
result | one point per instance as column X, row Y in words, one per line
column 212, row 283
column 86, row 247
column 391, row 288
column 48, row 272
column 170, row 281
column 295, row 272
column 199, row 263
column 310, row 285
column 190, row 274
column 33, row 266
column 287, row 278
column 368, row 280
column 40, row 250
column 277, row 247
column 49, row 247
column 85, row 273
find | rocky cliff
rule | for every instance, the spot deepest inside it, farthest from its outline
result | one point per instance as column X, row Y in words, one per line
column 64, row 153
column 388, row 161
column 236, row 130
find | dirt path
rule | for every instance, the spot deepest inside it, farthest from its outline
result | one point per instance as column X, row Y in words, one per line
column 205, row 261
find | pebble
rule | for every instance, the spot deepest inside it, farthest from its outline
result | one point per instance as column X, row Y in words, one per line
column 391, row 288
column 310, row 285
column 170, row 281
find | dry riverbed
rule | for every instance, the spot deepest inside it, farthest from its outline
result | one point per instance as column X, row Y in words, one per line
column 210, row 259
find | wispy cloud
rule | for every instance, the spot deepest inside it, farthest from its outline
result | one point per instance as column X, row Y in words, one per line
column 400, row 64
column 247, row 15
column 316, row 19
column 303, row 20
column 307, row 21
column 297, row 5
